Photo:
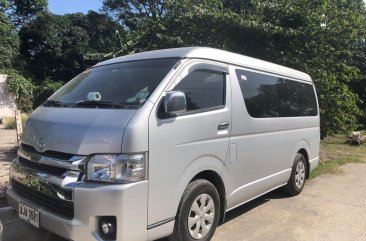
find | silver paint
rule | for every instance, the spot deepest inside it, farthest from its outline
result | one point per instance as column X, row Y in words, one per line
column 252, row 156
column 79, row 131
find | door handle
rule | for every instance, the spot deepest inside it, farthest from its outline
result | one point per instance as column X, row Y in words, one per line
column 223, row 126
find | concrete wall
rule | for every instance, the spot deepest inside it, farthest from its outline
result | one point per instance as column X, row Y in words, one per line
column 7, row 105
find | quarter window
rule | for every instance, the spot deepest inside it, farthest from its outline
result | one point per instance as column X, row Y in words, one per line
column 268, row 96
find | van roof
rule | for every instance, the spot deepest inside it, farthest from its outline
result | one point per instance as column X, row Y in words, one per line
column 215, row 55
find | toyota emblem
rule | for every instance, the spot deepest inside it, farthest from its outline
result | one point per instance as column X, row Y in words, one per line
column 41, row 144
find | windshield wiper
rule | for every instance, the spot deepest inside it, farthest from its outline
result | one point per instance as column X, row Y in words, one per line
column 99, row 103
column 132, row 106
column 54, row 103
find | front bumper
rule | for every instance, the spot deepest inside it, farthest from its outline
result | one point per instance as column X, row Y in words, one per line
column 128, row 202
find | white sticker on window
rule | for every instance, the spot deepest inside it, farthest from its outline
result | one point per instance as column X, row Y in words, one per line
column 243, row 77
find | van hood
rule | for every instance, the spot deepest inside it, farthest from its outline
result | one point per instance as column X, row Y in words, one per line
column 78, row 131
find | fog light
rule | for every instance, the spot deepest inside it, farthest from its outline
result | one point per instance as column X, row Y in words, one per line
column 107, row 227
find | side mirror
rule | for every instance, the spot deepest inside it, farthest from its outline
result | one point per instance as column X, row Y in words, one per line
column 175, row 102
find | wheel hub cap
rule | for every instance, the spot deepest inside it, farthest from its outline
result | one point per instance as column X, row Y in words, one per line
column 201, row 216
column 300, row 175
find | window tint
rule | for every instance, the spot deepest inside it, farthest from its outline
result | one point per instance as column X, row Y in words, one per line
column 203, row 89
column 268, row 96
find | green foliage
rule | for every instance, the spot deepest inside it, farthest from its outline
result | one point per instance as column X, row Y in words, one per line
column 8, row 42
column 21, row 88
column 28, row 7
column 45, row 90
column 359, row 85
column 24, row 11
column 317, row 37
column 4, row 5
column 338, row 106
column 54, row 46
column 324, row 38
column 132, row 13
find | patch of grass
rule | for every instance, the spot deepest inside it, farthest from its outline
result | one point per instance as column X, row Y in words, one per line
column 335, row 153
column 332, row 167
column 10, row 122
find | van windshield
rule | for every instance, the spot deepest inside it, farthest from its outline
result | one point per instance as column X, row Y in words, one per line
column 120, row 85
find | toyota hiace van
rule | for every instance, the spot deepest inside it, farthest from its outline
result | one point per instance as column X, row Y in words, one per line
column 164, row 143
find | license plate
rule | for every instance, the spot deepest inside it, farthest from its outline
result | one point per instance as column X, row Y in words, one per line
column 29, row 214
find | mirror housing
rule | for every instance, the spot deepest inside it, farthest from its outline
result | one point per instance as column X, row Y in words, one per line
column 175, row 102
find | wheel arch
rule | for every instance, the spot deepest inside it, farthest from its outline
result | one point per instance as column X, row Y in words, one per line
column 302, row 147
column 206, row 167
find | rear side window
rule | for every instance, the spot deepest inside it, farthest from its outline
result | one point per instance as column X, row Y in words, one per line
column 204, row 90
column 268, row 96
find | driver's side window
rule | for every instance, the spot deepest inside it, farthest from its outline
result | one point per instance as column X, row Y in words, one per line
column 204, row 90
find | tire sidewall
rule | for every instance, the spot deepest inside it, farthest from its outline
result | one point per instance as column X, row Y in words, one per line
column 299, row 158
column 199, row 187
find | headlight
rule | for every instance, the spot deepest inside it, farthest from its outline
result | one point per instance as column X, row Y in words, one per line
column 119, row 168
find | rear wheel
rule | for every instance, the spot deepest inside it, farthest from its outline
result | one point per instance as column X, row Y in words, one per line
column 198, row 212
column 298, row 176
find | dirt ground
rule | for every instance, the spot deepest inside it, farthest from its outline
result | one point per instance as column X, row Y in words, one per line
column 331, row 207
column 7, row 154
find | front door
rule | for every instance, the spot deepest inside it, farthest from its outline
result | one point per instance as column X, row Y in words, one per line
column 182, row 146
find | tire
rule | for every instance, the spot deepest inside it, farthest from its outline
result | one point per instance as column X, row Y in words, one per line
column 189, row 217
column 298, row 176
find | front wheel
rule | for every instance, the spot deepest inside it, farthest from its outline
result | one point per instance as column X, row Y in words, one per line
column 298, row 176
column 198, row 212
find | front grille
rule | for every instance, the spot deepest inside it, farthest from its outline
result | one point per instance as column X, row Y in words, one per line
column 55, row 171
column 50, row 203
column 52, row 154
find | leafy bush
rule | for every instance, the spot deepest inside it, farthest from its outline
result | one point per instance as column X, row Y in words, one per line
column 21, row 88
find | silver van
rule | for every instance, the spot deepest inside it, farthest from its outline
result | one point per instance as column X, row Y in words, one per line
column 164, row 143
